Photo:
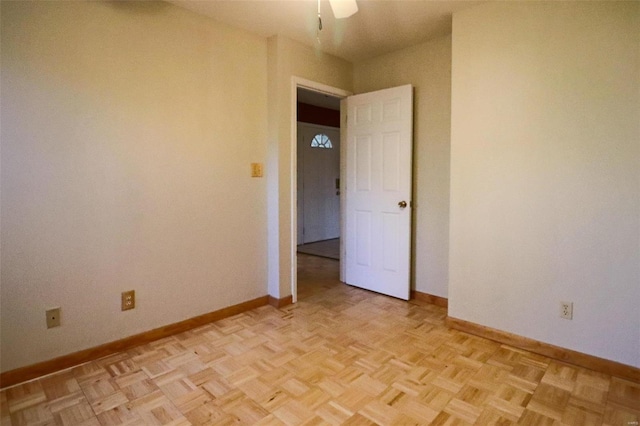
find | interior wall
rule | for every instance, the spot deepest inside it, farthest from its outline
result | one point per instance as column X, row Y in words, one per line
column 427, row 67
column 288, row 59
column 545, row 173
column 128, row 129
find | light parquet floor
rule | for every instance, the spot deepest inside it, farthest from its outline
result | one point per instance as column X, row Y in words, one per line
column 340, row 356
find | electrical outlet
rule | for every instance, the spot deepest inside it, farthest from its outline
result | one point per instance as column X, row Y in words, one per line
column 566, row 310
column 53, row 317
column 128, row 300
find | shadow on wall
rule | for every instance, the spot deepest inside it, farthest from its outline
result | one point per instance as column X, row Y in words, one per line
column 138, row 7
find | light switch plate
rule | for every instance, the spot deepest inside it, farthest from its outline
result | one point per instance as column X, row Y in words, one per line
column 256, row 169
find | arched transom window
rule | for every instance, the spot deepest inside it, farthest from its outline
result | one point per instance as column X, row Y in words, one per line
column 321, row 141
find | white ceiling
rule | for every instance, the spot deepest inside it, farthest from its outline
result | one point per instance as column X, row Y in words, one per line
column 379, row 27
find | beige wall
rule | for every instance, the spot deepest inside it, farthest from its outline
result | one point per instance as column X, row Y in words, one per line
column 545, row 173
column 288, row 59
column 427, row 67
column 128, row 130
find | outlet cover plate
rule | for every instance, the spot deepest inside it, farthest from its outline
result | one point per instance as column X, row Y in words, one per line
column 566, row 310
column 128, row 300
column 53, row 317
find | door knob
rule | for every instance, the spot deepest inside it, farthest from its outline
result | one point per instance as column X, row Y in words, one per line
column 402, row 204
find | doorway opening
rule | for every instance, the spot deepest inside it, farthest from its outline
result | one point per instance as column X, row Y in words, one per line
column 375, row 203
column 318, row 177
column 317, row 167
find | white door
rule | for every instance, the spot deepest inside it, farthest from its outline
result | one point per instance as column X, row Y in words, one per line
column 379, row 139
column 318, row 173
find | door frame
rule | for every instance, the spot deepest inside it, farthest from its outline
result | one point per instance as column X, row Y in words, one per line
column 293, row 165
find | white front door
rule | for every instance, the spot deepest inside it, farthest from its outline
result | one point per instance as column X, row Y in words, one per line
column 318, row 173
column 379, row 137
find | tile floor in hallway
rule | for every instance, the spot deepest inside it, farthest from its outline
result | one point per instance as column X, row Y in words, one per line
column 340, row 356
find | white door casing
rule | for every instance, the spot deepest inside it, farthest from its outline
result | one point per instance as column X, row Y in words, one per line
column 379, row 139
column 318, row 197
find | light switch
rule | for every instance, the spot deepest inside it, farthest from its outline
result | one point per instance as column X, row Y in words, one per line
column 256, row 169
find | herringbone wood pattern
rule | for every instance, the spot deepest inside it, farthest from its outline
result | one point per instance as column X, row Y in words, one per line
column 339, row 356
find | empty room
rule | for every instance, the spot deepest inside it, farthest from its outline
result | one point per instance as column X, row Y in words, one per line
column 485, row 212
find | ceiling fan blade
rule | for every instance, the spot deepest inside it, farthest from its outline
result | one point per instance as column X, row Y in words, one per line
column 343, row 8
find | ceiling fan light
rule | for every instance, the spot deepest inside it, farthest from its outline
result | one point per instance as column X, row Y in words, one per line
column 343, row 8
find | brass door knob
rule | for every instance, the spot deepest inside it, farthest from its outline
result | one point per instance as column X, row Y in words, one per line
column 402, row 204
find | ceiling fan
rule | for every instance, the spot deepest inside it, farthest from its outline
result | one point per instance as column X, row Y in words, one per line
column 341, row 9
